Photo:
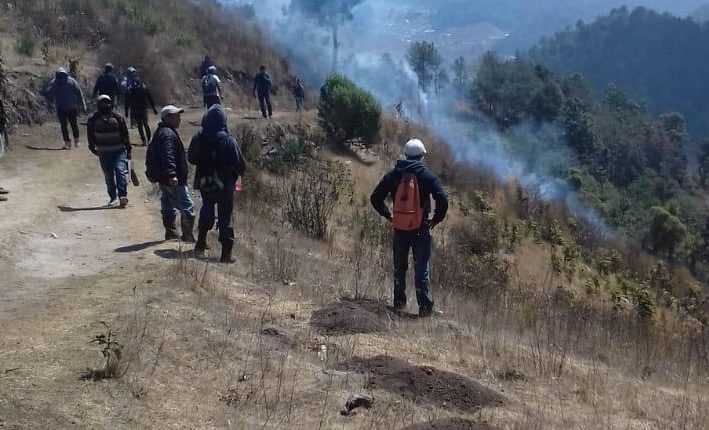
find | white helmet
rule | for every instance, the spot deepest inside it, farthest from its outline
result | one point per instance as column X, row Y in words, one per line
column 414, row 148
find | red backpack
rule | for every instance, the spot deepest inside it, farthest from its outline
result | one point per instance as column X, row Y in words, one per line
column 408, row 213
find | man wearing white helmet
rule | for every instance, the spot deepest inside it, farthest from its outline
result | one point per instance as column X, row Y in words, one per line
column 211, row 88
column 109, row 141
column 411, row 185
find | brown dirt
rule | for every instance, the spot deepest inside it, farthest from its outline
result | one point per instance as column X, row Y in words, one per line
column 352, row 316
column 450, row 424
column 423, row 384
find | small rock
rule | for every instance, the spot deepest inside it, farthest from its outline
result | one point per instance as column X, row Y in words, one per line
column 358, row 401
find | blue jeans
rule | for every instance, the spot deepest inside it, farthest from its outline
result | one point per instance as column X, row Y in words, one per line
column 115, row 170
column 175, row 199
column 224, row 200
column 419, row 243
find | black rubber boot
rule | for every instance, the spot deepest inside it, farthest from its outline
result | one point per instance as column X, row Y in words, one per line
column 168, row 221
column 201, row 244
column 226, row 254
column 187, row 224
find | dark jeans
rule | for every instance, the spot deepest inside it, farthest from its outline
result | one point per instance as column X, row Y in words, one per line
column 175, row 199
column 299, row 103
column 264, row 100
column 141, row 121
column 224, row 200
column 67, row 117
column 419, row 242
column 210, row 101
column 115, row 169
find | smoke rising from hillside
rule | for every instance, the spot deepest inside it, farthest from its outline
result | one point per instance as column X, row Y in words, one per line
column 385, row 73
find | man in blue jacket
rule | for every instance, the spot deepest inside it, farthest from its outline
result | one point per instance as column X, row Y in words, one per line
column 418, row 241
column 166, row 164
column 262, row 90
column 68, row 98
column 219, row 165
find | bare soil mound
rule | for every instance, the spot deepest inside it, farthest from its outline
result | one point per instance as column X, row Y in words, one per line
column 450, row 424
column 423, row 384
column 352, row 317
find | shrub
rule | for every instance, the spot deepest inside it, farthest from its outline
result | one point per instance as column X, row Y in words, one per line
column 311, row 196
column 25, row 44
column 349, row 114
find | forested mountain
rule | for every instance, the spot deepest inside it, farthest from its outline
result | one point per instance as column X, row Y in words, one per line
column 701, row 15
column 627, row 164
column 658, row 58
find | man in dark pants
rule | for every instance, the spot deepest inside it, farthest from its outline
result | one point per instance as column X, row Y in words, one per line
column 211, row 88
column 166, row 164
column 107, row 83
column 219, row 165
column 262, row 90
column 417, row 240
column 3, row 125
column 109, row 140
column 136, row 104
column 68, row 98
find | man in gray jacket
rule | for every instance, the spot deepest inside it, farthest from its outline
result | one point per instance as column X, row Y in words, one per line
column 67, row 98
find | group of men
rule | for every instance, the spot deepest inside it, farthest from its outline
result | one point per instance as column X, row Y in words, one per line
column 410, row 186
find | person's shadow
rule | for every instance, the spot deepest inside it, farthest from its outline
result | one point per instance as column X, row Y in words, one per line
column 174, row 254
column 63, row 208
column 42, row 148
column 137, row 247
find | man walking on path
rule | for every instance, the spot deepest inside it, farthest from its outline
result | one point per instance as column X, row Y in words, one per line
column 68, row 98
column 204, row 67
column 136, row 104
column 107, row 83
column 262, row 90
column 411, row 186
column 4, row 126
column 109, row 140
column 166, row 164
column 219, row 165
column 299, row 95
column 211, row 88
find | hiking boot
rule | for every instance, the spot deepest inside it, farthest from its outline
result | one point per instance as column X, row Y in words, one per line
column 168, row 221
column 201, row 244
column 425, row 312
column 123, row 202
column 187, row 224
column 226, row 254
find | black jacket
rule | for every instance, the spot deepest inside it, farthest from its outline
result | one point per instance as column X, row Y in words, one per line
column 107, row 132
column 168, row 152
column 213, row 149
column 107, row 84
column 137, row 99
column 429, row 186
column 262, row 83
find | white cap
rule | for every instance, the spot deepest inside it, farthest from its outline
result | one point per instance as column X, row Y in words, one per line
column 212, row 69
column 414, row 148
column 103, row 97
column 170, row 110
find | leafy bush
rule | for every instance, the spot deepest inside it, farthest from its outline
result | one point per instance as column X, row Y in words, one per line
column 349, row 114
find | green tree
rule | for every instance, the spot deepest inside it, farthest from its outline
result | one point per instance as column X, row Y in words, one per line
column 349, row 114
column 425, row 61
column 331, row 14
column 667, row 232
column 460, row 74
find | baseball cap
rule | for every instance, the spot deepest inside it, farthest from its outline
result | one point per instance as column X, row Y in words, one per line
column 170, row 110
column 414, row 148
column 103, row 98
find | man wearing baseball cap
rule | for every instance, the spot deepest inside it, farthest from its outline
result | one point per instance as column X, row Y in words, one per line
column 166, row 164
column 411, row 185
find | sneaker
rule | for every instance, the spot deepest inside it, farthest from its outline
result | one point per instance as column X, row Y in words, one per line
column 4, row 191
column 111, row 202
column 123, row 201
column 67, row 145
column 3, row 199
column 76, row 143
